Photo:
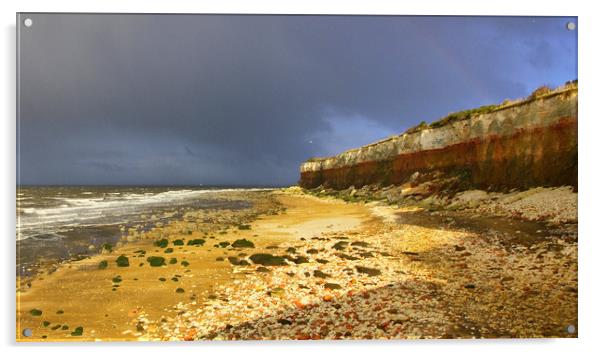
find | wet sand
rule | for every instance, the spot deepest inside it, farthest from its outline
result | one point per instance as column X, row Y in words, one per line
column 349, row 271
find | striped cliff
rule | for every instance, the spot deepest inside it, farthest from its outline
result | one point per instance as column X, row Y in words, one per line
column 520, row 144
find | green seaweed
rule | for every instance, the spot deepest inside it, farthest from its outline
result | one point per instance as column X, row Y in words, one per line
column 243, row 243
column 103, row 264
column 156, row 261
column 268, row 259
column 161, row 243
column 35, row 312
column 196, row 242
column 123, row 261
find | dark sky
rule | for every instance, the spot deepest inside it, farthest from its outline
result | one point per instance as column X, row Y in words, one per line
column 243, row 100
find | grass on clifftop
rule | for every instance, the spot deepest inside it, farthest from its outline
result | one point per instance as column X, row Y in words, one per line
column 538, row 93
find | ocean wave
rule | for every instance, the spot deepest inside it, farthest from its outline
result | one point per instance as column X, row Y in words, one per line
column 106, row 208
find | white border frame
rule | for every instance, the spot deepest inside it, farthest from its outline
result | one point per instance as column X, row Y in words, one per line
column 589, row 164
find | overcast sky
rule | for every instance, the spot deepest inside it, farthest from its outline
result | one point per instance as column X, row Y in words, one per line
column 243, row 100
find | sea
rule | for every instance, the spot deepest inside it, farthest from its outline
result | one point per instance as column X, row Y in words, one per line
column 66, row 222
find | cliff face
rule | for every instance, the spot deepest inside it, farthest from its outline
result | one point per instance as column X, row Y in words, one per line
column 532, row 142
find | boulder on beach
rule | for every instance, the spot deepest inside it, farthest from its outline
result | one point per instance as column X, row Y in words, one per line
column 161, row 243
column 156, row 261
column 196, row 242
column 368, row 271
column 122, row 261
column 268, row 260
column 243, row 243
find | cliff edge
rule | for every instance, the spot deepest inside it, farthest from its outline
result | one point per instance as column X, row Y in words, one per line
column 517, row 144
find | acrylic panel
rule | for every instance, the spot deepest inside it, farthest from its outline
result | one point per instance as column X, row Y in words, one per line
column 188, row 177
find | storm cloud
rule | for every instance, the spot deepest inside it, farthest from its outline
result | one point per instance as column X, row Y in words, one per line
column 243, row 100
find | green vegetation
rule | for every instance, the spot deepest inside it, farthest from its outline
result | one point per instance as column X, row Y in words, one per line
column 268, row 260
column 156, row 261
column 540, row 92
column 103, row 264
column 178, row 242
column 162, row 243
column 123, row 261
column 35, row 312
column 196, row 242
column 243, row 243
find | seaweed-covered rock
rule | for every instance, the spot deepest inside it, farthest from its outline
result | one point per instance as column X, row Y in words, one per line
column 267, row 260
column 35, row 312
column 360, row 244
column 122, row 261
column 168, row 250
column 243, row 243
column 301, row 260
column 262, row 269
column 117, row 279
column 185, row 263
column 156, row 260
column 321, row 274
column 79, row 331
column 196, row 242
column 173, row 261
column 346, row 256
column 340, row 245
column 368, row 271
column 234, row 260
column 162, row 243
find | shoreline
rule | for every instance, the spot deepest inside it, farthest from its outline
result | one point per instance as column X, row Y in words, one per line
column 203, row 223
column 347, row 270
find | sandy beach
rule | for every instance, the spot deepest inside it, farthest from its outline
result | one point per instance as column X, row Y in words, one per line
column 296, row 266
